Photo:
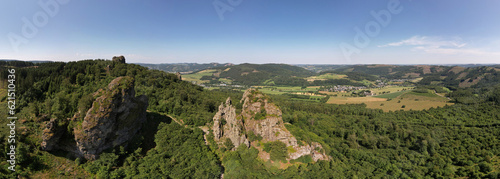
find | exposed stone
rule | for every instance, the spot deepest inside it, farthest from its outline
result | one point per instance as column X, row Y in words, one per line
column 51, row 134
column 264, row 119
column 179, row 76
column 119, row 59
column 114, row 118
column 313, row 150
column 226, row 125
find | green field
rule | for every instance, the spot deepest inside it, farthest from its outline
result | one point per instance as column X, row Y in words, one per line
column 390, row 95
column 402, row 100
column 391, row 89
column 197, row 76
column 286, row 89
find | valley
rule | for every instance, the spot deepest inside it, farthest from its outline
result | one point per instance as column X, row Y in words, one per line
column 109, row 119
column 388, row 91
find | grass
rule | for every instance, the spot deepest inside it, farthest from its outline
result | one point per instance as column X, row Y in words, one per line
column 311, row 98
column 411, row 101
column 326, row 76
column 197, row 76
column 410, row 104
column 59, row 167
column 390, row 95
column 225, row 80
column 269, row 90
column 286, row 89
column 391, row 89
column 353, row 100
column 423, row 94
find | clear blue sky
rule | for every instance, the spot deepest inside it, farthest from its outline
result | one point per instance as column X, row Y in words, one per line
column 254, row 31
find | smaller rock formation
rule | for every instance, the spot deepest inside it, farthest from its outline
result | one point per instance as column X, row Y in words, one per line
column 51, row 135
column 119, row 59
column 179, row 76
column 226, row 125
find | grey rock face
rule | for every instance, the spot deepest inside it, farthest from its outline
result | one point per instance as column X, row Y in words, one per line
column 264, row 119
column 114, row 118
column 226, row 125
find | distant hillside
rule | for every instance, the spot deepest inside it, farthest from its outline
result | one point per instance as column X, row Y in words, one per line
column 183, row 67
column 449, row 76
column 460, row 77
column 321, row 68
column 253, row 74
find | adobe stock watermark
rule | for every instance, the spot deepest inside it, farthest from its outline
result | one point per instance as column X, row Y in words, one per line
column 30, row 27
column 372, row 29
column 221, row 7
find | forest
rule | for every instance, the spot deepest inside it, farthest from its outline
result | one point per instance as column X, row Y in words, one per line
column 457, row 141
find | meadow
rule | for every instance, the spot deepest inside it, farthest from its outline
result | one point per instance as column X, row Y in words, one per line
column 326, row 76
column 402, row 100
column 196, row 77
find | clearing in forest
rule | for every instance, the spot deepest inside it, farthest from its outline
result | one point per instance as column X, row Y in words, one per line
column 396, row 101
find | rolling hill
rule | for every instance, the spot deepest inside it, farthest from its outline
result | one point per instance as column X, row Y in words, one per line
column 256, row 74
column 183, row 67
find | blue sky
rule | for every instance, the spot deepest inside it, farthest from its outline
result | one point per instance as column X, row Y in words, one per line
column 253, row 31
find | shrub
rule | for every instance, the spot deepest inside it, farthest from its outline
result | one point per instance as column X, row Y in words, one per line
column 277, row 150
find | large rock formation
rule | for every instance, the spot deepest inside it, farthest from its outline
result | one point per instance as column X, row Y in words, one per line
column 115, row 117
column 264, row 119
column 226, row 125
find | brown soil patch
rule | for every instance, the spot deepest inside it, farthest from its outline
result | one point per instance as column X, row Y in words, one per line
column 457, row 69
column 462, row 75
column 426, row 68
column 310, row 79
column 466, row 83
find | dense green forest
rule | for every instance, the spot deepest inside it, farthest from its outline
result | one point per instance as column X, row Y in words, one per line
column 455, row 141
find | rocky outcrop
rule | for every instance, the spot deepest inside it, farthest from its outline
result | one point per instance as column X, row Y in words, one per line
column 179, row 76
column 115, row 117
column 51, row 134
column 313, row 149
column 270, row 124
column 119, row 59
column 227, row 126
column 264, row 119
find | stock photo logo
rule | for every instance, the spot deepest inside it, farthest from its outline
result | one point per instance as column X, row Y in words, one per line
column 31, row 26
column 222, row 7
